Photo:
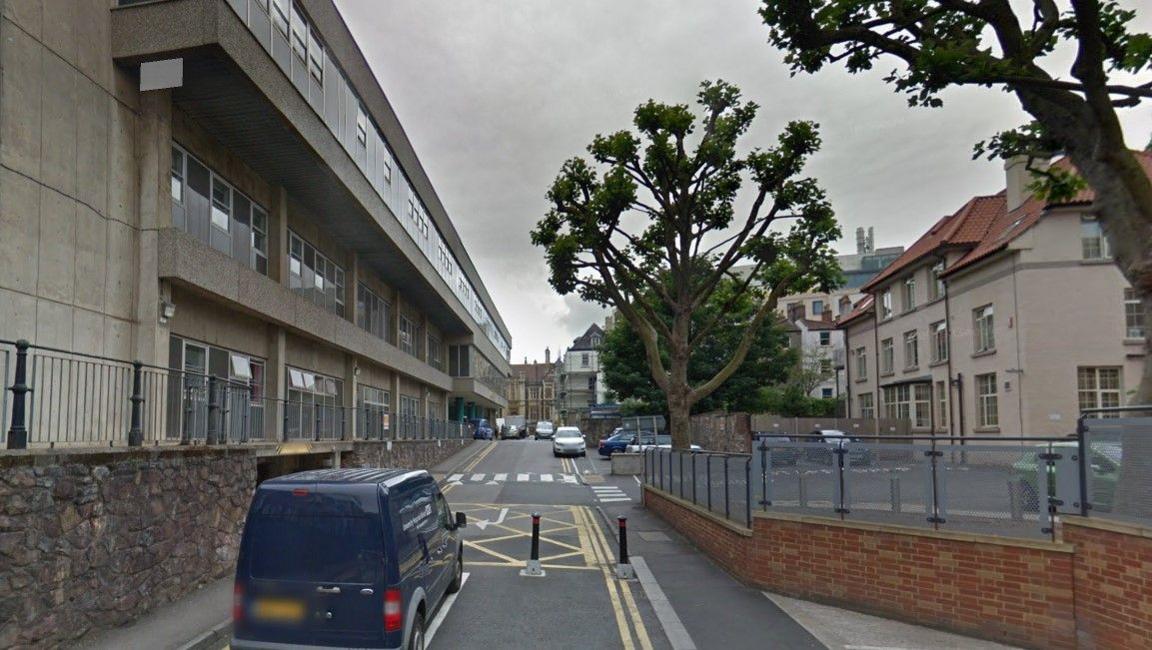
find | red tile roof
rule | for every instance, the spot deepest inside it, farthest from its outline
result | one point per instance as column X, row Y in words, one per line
column 981, row 227
column 861, row 308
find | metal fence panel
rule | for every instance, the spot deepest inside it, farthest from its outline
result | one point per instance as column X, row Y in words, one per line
column 1118, row 468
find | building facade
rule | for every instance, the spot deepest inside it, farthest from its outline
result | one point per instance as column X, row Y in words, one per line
column 580, row 378
column 258, row 217
column 973, row 330
column 532, row 390
column 820, row 346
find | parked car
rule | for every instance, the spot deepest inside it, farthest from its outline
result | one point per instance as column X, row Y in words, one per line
column 615, row 443
column 481, row 430
column 834, row 439
column 511, row 431
column 568, row 441
column 647, row 440
column 1103, row 473
column 781, row 456
column 544, row 430
column 346, row 558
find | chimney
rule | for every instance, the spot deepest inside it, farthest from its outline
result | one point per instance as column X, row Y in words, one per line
column 1017, row 178
column 547, row 355
column 861, row 243
column 826, row 315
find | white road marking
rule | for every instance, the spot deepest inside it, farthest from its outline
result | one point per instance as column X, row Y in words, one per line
column 500, row 477
column 674, row 628
column 477, row 478
column 568, row 478
column 637, row 479
column 615, row 499
column 522, row 477
column 484, row 523
column 448, row 602
column 455, row 478
column 605, row 488
column 546, row 478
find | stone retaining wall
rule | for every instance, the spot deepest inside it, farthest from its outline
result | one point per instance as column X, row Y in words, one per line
column 404, row 453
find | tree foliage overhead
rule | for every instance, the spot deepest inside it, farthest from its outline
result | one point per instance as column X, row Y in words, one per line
column 658, row 203
column 768, row 362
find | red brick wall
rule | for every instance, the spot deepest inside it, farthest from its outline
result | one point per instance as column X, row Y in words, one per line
column 1014, row 593
column 1113, row 585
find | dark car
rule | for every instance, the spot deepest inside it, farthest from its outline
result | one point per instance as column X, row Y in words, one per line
column 481, row 430
column 347, row 558
column 781, row 456
column 615, row 443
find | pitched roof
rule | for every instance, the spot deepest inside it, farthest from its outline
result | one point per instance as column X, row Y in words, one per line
column 982, row 227
column 533, row 372
column 862, row 307
column 584, row 341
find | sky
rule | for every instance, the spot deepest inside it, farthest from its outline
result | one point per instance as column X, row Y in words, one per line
column 496, row 95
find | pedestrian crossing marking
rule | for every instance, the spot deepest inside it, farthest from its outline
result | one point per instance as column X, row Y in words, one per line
column 546, row 478
column 522, row 477
column 500, row 477
column 609, row 494
column 455, row 478
column 477, row 478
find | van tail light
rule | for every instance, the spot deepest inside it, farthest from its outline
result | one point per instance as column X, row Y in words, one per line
column 393, row 616
column 237, row 603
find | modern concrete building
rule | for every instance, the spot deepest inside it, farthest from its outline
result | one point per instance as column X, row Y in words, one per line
column 222, row 188
column 1005, row 318
column 580, row 379
column 532, row 390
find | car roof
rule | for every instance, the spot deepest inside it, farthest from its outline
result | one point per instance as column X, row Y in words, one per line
column 373, row 475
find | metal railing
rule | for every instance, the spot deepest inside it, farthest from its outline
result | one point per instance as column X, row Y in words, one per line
column 717, row 482
column 55, row 398
column 1116, row 475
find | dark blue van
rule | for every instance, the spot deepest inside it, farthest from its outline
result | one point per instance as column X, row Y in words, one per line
column 349, row 558
column 481, row 430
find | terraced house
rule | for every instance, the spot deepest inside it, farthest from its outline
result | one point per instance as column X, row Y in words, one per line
column 1006, row 318
column 220, row 190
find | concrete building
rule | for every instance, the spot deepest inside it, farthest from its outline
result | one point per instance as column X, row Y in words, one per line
column 259, row 216
column 580, row 379
column 532, row 390
column 1005, row 318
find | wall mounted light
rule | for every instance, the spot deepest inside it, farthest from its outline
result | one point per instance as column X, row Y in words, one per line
column 167, row 311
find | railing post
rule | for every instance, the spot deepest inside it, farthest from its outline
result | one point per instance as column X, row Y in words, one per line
column 18, row 433
column 727, row 502
column 248, row 395
column 748, row 490
column 1082, row 448
column 213, row 406
column 135, row 432
column 708, row 479
column 319, row 411
column 284, row 430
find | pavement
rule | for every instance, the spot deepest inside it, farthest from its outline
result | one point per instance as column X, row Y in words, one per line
column 679, row 599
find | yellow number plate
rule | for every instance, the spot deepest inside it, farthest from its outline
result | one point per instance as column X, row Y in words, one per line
column 278, row 609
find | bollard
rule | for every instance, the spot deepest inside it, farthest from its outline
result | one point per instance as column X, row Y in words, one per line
column 135, row 430
column 894, row 493
column 533, row 570
column 624, row 565
column 18, row 433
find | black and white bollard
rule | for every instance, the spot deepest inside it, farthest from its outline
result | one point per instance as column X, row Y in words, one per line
column 624, row 566
column 533, row 570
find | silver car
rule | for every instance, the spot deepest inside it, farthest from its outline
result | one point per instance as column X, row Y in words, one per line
column 569, row 442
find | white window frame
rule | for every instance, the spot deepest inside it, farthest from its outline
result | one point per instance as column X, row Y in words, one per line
column 866, row 405
column 937, row 288
column 1093, row 394
column 1093, row 243
column 911, row 350
column 887, row 357
column 984, row 329
column 939, row 332
column 987, row 401
column 1135, row 320
column 909, row 297
column 886, row 304
column 861, row 363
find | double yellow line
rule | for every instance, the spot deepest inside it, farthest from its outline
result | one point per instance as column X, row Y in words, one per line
column 619, row 591
column 472, row 464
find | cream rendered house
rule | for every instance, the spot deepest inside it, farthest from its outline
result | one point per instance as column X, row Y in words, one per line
column 1005, row 318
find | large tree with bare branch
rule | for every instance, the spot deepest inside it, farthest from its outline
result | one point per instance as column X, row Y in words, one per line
column 649, row 227
column 1013, row 46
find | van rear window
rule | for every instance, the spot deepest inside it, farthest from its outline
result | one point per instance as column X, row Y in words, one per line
column 313, row 538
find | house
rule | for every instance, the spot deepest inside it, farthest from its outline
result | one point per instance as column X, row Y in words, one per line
column 532, row 389
column 580, row 378
column 1007, row 317
column 820, row 346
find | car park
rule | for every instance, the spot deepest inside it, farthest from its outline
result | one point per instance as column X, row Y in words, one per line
column 833, row 440
column 345, row 558
column 781, row 456
column 544, row 430
column 568, row 441
column 481, row 430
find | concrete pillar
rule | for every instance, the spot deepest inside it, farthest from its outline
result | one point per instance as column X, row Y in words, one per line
column 351, row 388
column 275, row 383
column 394, row 403
column 154, row 205
column 278, row 236
column 351, row 281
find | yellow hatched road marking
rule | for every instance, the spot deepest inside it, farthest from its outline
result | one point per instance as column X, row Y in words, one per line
column 545, row 566
column 562, row 556
column 511, row 561
column 625, row 589
column 610, row 583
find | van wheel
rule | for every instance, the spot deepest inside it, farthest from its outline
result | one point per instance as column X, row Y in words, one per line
column 416, row 639
column 458, row 574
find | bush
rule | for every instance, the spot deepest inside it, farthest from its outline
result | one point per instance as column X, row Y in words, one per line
column 792, row 402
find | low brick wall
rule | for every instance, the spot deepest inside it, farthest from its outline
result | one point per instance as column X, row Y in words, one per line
column 1113, row 568
column 402, row 453
column 95, row 539
column 1010, row 591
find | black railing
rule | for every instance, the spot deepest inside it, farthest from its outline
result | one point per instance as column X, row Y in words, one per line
column 59, row 398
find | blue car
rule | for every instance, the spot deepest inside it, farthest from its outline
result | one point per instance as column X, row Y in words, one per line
column 616, row 442
column 481, row 430
column 350, row 558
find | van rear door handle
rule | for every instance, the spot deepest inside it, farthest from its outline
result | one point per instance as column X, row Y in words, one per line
column 328, row 590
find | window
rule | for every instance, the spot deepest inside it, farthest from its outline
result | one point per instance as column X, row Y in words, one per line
column 817, row 307
column 911, row 350
column 887, row 357
column 983, row 324
column 584, row 360
column 826, row 393
column 886, row 304
column 939, row 341
column 299, row 35
column 867, row 408
column 409, row 336
column 314, row 408
column 909, row 402
column 315, row 57
column 825, row 338
column 221, row 204
column 314, row 275
column 825, row 366
column 373, row 421
column 1133, row 315
column 373, row 313
column 1093, row 243
column 936, row 289
column 942, row 405
column 362, row 128
column 259, row 239
column 861, row 364
column 177, row 175
column 280, row 16
column 987, row 413
column 1098, row 387
column 435, row 352
column 592, row 383
column 910, row 293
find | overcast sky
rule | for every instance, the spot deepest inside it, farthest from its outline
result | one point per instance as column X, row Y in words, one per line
column 495, row 95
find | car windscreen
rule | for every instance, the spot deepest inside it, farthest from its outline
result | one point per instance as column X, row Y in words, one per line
column 313, row 538
column 567, row 432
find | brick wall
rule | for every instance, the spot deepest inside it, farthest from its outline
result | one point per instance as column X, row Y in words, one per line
column 1013, row 592
column 1113, row 568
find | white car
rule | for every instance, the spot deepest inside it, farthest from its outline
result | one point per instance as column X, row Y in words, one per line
column 660, row 441
column 568, row 441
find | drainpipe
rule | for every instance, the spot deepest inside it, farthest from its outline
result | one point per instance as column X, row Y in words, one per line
column 876, row 363
column 1019, row 366
column 949, row 382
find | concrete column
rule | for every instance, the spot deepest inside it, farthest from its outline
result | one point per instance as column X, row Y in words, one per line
column 154, row 207
column 351, row 281
column 394, row 403
column 278, row 236
column 351, row 388
column 275, row 383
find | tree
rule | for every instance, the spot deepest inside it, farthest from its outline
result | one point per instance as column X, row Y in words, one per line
column 813, row 368
column 943, row 43
column 659, row 203
column 768, row 361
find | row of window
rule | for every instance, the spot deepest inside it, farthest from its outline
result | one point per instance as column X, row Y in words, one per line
column 295, row 45
column 312, row 274
column 908, row 294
